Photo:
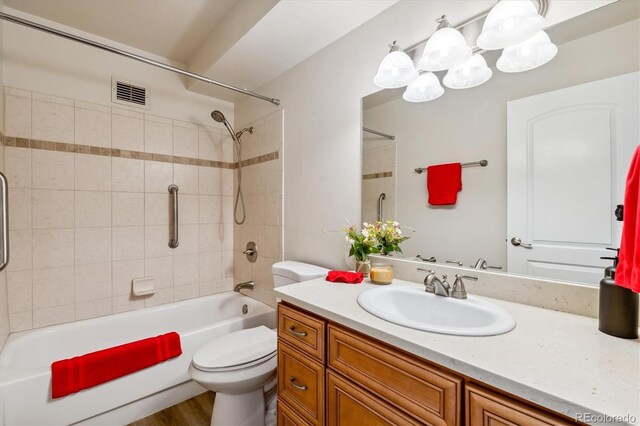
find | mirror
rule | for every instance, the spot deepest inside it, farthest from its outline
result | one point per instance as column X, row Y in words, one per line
column 558, row 141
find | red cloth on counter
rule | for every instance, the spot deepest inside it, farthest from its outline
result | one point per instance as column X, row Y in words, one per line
column 74, row 374
column 628, row 269
column 444, row 181
column 345, row 277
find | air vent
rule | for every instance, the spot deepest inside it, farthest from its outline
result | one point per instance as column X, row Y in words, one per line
column 128, row 93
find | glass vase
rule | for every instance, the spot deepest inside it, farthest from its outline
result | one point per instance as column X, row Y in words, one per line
column 363, row 266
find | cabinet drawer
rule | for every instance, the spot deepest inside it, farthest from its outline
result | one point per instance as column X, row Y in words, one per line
column 430, row 395
column 349, row 405
column 302, row 331
column 301, row 383
column 484, row 407
column 288, row 417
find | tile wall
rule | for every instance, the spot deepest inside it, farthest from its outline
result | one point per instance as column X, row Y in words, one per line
column 4, row 303
column 90, row 208
column 378, row 176
column 262, row 186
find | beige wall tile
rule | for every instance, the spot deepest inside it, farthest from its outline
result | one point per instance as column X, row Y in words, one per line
column 19, row 209
column 209, row 144
column 209, row 237
column 157, row 176
column 188, row 240
column 127, row 133
column 210, row 208
column 158, row 137
column 227, row 210
column 185, row 141
column 21, row 250
column 52, row 248
column 184, row 292
column 93, row 309
column 188, row 209
column 208, row 287
column 127, row 208
column 93, row 172
column 185, row 269
column 93, row 245
column 228, row 177
column 17, row 116
column 210, row 180
column 127, row 175
column 52, row 121
column 93, row 125
column 18, row 167
column 54, row 315
column 53, row 287
column 161, row 267
column 123, row 273
column 156, row 241
column 92, row 209
column 186, row 177
column 157, row 209
column 161, row 297
column 52, row 209
column 52, row 170
column 20, row 291
column 210, row 266
column 226, row 259
column 126, row 303
column 21, row 321
column 128, row 242
column 93, row 282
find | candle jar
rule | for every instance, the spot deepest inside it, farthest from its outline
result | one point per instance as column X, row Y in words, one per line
column 381, row 273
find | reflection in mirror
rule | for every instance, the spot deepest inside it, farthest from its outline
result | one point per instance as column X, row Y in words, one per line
column 558, row 140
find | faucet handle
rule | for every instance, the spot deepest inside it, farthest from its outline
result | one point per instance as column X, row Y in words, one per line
column 494, row 267
column 458, row 291
column 429, row 286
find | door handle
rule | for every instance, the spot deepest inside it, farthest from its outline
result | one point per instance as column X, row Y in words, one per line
column 518, row 243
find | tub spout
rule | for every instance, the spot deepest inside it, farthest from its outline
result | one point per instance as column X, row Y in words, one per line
column 248, row 284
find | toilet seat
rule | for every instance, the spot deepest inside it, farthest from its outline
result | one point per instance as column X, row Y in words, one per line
column 235, row 351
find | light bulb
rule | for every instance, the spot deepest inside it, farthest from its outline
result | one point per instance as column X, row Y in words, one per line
column 530, row 54
column 446, row 48
column 425, row 88
column 395, row 70
column 510, row 22
column 473, row 72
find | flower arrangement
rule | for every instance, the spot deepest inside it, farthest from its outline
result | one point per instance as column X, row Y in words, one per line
column 389, row 236
column 381, row 237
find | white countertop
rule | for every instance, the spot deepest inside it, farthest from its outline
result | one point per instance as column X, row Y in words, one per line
column 555, row 359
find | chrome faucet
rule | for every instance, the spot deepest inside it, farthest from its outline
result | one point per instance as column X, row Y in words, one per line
column 458, row 291
column 248, row 284
column 482, row 264
column 433, row 284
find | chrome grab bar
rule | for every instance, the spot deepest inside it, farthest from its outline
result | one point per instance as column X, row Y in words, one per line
column 173, row 242
column 382, row 196
column 4, row 187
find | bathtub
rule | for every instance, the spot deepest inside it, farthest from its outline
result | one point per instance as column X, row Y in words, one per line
column 25, row 374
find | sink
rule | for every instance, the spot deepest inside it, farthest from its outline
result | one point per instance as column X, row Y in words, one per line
column 412, row 307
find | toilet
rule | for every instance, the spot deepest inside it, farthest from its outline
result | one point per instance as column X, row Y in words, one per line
column 241, row 366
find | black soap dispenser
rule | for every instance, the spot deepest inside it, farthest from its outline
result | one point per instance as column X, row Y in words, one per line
column 618, row 305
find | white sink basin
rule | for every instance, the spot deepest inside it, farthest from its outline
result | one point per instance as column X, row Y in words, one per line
column 413, row 307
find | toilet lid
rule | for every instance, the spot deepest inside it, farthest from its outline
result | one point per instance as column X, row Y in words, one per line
column 236, row 350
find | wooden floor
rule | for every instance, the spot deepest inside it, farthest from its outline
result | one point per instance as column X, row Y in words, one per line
column 193, row 412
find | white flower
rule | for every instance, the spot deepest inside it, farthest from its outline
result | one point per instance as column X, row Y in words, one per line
column 365, row 233
column 399, row 232
column 395, row 223
column 351, row 241
column 365, row 224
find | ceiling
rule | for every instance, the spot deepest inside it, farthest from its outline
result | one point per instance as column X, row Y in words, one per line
column 226, row 40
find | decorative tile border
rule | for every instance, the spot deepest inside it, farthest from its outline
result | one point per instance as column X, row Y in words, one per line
column 377, row 175
column 137, row 155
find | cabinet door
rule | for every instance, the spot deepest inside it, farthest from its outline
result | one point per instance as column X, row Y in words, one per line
column 288, row 417
column 350, row 405
column 488, row 408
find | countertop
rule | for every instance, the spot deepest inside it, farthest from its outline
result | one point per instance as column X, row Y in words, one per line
column 555, row 359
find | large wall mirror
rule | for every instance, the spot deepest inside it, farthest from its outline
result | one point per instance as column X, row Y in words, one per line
column 558, row 141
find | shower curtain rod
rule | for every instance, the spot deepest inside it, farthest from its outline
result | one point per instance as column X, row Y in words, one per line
column 375, row 132
column 30, row 24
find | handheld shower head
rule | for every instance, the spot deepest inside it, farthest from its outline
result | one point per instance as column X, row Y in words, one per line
column 218, row 116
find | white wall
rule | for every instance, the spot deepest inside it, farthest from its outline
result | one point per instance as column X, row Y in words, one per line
column 470, row 125
column 322, row 101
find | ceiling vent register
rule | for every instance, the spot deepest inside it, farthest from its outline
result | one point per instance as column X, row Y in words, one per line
column 128, row 93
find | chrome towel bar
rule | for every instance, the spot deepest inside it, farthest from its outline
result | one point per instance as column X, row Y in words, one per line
column 173, row 242
column 481, row 163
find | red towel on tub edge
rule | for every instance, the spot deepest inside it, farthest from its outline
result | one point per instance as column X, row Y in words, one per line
column 628, row 269
column 81, row 372
column 444, row 181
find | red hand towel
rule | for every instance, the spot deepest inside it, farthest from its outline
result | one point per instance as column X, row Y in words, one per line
column 444, row 181
column 628, row 269
column 345, row 277
column 74, row 374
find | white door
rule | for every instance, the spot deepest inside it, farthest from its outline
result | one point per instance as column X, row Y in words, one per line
column 568, row 153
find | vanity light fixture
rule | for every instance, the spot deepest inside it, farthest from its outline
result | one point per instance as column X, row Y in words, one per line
column 425, row 88
column 396, row 69
column 446, row 48
column 510, row 22
column 532, row 53
column 473, row 72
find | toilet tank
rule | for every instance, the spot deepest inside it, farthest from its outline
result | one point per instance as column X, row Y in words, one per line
column 290, row 272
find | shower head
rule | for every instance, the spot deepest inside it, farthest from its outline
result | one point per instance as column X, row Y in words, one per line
column 218, row 116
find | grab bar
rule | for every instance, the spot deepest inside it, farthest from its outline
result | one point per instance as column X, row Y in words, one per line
column 382, row 196
column 173, row 242
column 4, row 187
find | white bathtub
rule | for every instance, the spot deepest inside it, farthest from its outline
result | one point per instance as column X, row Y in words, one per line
column 25, row 373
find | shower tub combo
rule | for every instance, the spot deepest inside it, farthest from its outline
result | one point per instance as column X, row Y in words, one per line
column 25, row 373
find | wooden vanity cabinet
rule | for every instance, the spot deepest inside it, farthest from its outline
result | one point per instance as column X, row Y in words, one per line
column 331, row 375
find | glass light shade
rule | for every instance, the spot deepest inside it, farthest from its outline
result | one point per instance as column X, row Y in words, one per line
column 532, row 53
column 510, row 22
column 473, row 72
column 446, row 48
column 426, row 88
column 395, row 70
